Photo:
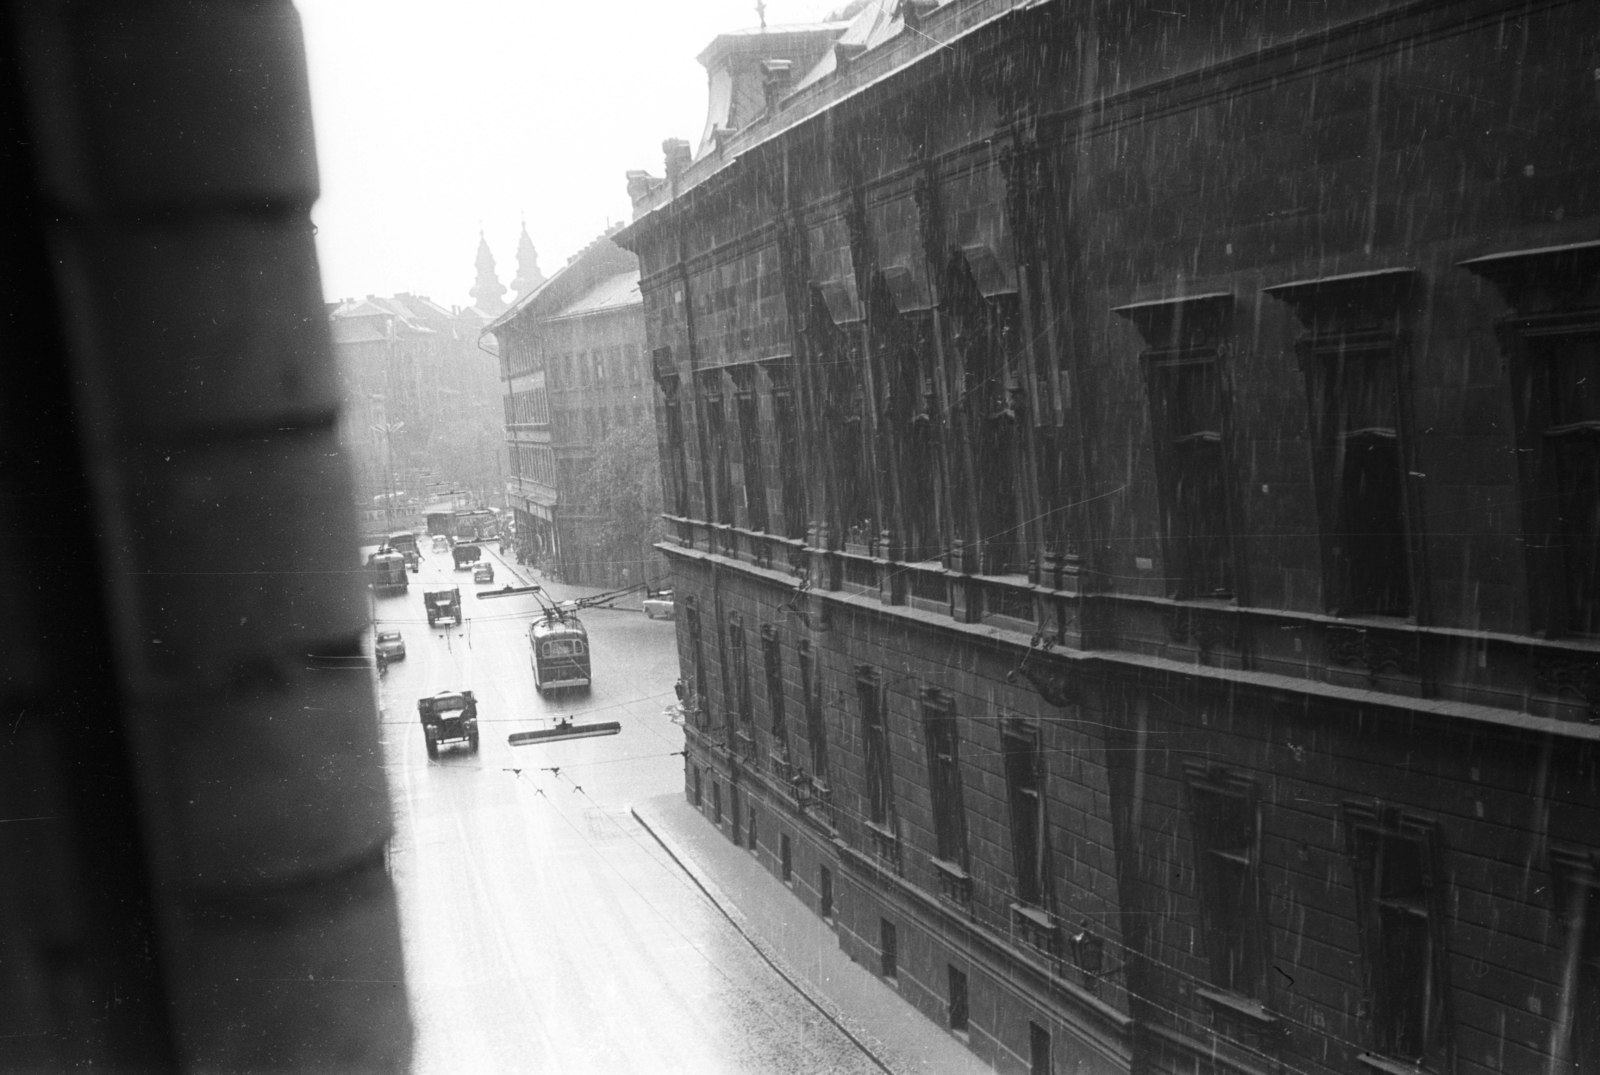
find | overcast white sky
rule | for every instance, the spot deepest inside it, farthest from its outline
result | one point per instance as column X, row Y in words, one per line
column 434, row 117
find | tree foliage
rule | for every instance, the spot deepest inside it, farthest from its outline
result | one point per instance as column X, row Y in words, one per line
column 624, row 492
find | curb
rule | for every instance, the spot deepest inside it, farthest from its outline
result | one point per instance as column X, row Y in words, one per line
column 857, row 1034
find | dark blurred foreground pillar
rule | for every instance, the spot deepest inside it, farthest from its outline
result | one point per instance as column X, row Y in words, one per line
column 192, row 809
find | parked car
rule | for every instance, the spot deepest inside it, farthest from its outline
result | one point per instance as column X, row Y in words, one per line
column 391, row 645
column 659, row 603
column 484, row 572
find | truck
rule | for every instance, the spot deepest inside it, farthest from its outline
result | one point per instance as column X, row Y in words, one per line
column 404, row 542
column 387, row 571
column 449, row 717
column 443, row 607
column 465, row 556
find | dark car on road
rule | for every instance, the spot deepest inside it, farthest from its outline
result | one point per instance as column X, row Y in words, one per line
column 449, row 717
column 443, row 607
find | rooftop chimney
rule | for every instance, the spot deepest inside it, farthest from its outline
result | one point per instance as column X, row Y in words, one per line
column 678, row 155
column 640, row 184
column 912, row 12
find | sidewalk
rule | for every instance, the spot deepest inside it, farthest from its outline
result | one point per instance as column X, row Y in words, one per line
column 802, row 948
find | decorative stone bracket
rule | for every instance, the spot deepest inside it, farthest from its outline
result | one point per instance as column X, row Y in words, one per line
column 1373, row 650
column 1055, row 685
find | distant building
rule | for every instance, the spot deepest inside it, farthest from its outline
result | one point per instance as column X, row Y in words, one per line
column 420, row 401
column 488, row 293
column 1135, row 486
column 529, row 276
column 574, row 373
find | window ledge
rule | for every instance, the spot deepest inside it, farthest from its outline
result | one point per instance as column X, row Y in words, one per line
column 1037, row 917
column 885, row 841
column 1389, row 1066
column 955, row 884
column 1240, row 1007
column 1037, row 928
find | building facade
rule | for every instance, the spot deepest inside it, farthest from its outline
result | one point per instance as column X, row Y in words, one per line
column 1135, row 518
column 576, row 389
column 420, row 399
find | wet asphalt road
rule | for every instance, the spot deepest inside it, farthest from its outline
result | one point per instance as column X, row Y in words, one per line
column 544, row 929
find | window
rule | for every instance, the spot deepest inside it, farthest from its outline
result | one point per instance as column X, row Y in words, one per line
column 900, row 344
column 785, row 859
column 697, row 800
column 1360, row 434
column 717, row 445
column 816, row 729
column 677, row 472
column 1030, row 851
column 1572, row 441
column 716, row 803
column 843, row 413
column 1038, row 1050
column 1400, row 915
column 749, row 410
column 741, row 671
column 1575, row 1034
column 1224, row 821
column 1352, row 356
column 786, row 425
column 772, row 660
column 697, row 652
column 956, row 999
column 1553, row 355
column 944, row 778
column 888, row 950
column 875, row 740
column 736, row 829
column 1186, row 418
column 987, row 328
column 825, row 892
column 751, row 842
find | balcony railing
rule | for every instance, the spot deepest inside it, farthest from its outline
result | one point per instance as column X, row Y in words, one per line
column 1555, row 679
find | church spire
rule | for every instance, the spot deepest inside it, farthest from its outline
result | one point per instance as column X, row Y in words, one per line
column 528, row 274
column 487, row 289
